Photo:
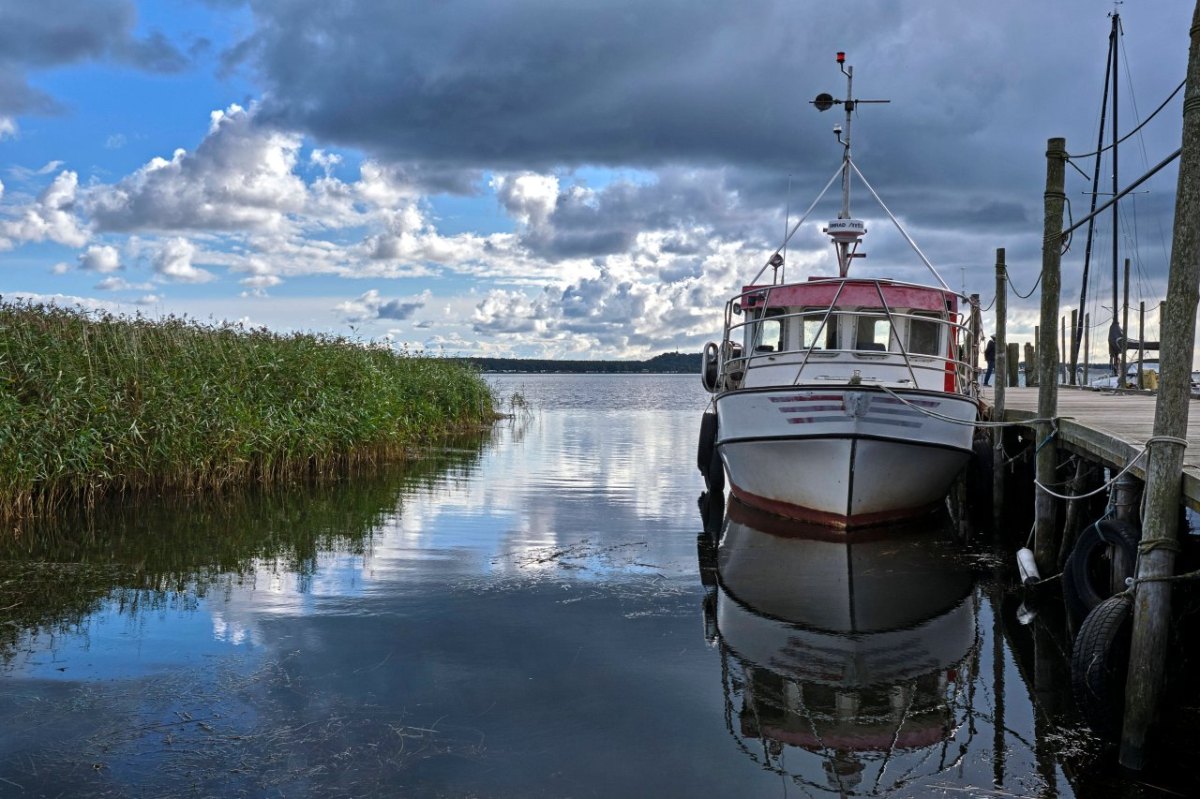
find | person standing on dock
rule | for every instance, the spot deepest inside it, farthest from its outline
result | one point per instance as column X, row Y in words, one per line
column 989, row 355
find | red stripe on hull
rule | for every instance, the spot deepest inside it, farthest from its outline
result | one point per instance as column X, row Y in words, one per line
column 825, row 518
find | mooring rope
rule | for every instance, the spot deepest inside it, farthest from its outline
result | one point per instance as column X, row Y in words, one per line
column 1103, row 487
column 974, row 423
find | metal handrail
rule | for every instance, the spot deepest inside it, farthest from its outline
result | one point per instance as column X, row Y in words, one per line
column 960, row 367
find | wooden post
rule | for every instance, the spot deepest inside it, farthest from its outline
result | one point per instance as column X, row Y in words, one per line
column 1031, row 374
column 1141, row 342
column 1061, row 368
column 1164, row 469
column 975, row 327
column 1045, row 545
column 1075, row 351
column 1001, row 378
column 1124, row 324
column 1014, row 364
column 1087, row 345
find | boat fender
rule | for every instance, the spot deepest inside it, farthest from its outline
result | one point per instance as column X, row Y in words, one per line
column 1100, row 665
column 1027, row 566
column 708, row 366
column 1086, row 574
column 707, row 442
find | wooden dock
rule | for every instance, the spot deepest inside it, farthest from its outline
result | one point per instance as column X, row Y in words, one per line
column 1108, row 426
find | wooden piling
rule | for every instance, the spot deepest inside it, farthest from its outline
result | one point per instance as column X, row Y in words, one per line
column 1062, row 347
column 1014, row 364
column 1141, row 345
column 1045, row 544
column 1074, row 378
column 1152, row 600
column 1001, row 378
column 1087, row 344
column 1124, row 325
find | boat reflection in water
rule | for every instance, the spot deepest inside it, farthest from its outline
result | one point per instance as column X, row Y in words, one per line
column 845, row 664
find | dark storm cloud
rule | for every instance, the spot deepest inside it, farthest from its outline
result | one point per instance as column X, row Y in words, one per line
column 540, row 83
column 52, row 33
column 530, row 84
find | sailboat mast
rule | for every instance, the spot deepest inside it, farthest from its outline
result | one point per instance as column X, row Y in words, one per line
column 1115, row 184
column 1091, row 229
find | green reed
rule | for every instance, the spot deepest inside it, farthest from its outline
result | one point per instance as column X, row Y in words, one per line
column 94, row 405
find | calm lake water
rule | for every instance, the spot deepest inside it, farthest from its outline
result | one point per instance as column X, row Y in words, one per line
column 534, row 612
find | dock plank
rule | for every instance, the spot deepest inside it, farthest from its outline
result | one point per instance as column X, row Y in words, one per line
column 1111, row 426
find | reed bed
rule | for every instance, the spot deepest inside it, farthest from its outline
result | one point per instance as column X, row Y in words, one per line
column 93, row 405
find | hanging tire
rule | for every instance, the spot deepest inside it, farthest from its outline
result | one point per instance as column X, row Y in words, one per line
column 708, row 442
column 1100, row 664
column 1087, row 574
column 716, row 475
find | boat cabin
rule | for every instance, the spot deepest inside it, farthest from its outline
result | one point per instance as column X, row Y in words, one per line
column 843, row 330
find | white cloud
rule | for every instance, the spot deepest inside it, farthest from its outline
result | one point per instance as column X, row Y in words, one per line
column 239, row 178
column 528, row 198
column 100, row 258
column 8, row 128
column 173, row 260
column 50, row 217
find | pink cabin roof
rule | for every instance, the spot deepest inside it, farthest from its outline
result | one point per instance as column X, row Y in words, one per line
column 857, row 293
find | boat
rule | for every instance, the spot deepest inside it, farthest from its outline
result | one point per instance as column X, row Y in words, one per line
column 1149, row 370
column 842, row 400
column 845, row 663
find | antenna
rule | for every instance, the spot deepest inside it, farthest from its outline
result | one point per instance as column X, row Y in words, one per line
column 787, row 222
column 845, row 230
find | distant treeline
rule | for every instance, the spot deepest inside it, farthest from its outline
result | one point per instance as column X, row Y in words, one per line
column 667, row 363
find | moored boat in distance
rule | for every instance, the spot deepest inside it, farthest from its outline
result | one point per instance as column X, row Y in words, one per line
column 846, row 401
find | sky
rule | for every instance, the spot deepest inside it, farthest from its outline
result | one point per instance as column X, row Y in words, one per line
column 539, row 178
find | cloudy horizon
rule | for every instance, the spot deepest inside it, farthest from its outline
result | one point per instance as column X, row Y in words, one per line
column 539, row 179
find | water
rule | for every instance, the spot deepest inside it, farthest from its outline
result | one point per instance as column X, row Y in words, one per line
column 531, row 612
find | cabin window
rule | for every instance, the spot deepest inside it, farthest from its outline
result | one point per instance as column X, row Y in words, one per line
column 873, row 334
column 924, row 332
column 825, row 335
column 768, row 331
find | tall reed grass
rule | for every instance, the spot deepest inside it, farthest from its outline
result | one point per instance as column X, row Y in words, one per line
column 93, row 405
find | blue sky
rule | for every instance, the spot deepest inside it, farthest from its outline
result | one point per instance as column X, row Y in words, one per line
column 540, row 178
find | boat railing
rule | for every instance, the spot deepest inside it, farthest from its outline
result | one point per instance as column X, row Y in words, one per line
column 736, row 361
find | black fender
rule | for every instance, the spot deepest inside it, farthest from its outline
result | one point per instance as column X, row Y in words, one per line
column 1086, row 574
column 1100, row 665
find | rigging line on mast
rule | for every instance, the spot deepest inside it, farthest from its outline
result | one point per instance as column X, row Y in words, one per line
column 1135, row 130
column 799, row 222
column 899, row 227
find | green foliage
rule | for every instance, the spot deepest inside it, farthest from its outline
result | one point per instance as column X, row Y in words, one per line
column 95, row 404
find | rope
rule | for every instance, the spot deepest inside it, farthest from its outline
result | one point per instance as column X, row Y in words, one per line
column 1103, row 487
column 1158, row 543
column 1167, row 440
column 1048, row 438
column 975, row 423
column 1019, row 294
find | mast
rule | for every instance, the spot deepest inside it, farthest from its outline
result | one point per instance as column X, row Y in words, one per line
column 846, row 231
column 1077, row 338
column 1116, row 344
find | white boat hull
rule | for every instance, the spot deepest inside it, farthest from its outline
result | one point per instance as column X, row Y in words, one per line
column 843, row 457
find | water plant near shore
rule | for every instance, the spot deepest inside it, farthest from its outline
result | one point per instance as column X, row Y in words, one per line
column 94, row 404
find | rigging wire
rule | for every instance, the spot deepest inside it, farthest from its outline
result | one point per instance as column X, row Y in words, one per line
column 1135, row 130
